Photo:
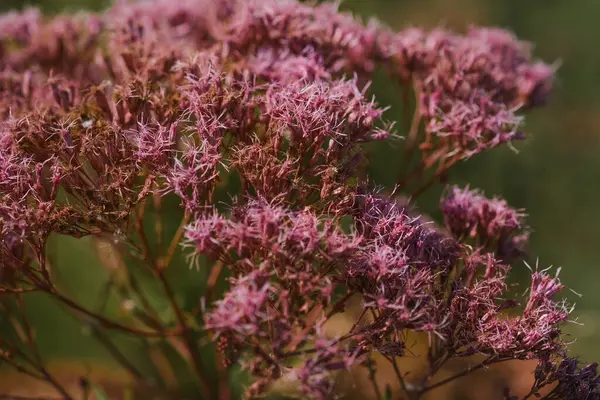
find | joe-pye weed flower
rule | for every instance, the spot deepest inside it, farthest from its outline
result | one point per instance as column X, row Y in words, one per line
column 105, row 114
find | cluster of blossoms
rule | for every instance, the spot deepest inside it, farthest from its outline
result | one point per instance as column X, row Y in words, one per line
column 574, row 382
column 491, row 223
column 470, row 87
column 101, row 112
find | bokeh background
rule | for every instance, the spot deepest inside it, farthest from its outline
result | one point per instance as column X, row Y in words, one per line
column 555, row 175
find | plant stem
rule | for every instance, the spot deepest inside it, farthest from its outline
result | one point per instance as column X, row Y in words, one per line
column 39, row 363
column 488, row 361
column 164, row 262
column 411, row 395
column 186, row 334
column 106, row 322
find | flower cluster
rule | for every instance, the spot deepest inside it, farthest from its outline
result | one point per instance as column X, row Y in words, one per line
column 288, row 265
column 397, row 270
column 266, row 102
column 492, row 223
column 533, row 334
column 471, row 86
column 569, row 379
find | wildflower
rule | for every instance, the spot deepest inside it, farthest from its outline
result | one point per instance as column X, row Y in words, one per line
column 574, row 382
column 243, row 309
column 267, row 101
column 468, row 214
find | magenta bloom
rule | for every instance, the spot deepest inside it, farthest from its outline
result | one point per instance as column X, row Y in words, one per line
column 250, row 123
column 490, row 222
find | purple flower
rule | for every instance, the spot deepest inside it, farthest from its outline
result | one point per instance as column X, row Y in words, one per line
column 491, row 222
column 576, row 383
column 243, row 310
column 254, row 115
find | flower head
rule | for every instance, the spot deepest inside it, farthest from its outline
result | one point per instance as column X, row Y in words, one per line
column 491, row 222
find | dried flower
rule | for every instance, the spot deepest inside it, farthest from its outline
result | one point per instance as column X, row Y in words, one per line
column 253, row 115
column 491, row 222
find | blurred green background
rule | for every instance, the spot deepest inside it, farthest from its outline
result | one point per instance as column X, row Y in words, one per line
column 555, row 176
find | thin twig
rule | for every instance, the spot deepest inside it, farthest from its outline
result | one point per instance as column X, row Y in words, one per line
column 108, row 323
column 442, row 169
column 158, row 224
column 157, row 268
column 117, row 354
column 39, row 365
column 186, row 334
column 21, row 369
column 409, row 394
column 212, row 280
column 150, row 316
column 411, row 139
column 166, row 260
column 18, row 291
column 372, row 376
column 488, row 361
column 139, row 228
